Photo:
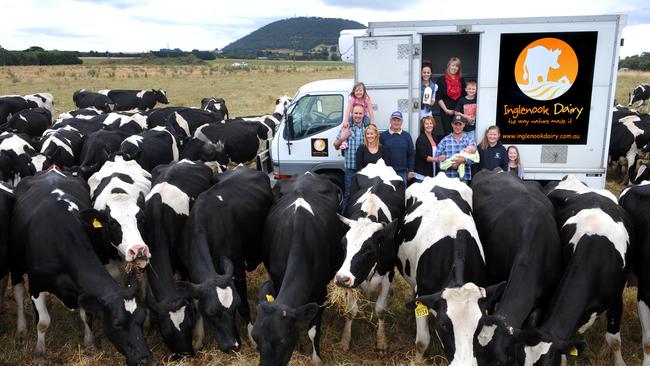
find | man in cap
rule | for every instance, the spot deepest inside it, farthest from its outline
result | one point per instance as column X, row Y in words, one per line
column 457, row 146
column 400, row 147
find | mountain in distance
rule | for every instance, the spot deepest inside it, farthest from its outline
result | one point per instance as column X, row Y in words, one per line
column 300, row 33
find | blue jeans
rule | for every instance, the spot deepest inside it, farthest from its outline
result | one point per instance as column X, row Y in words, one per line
column 347, row 183
column 402, row 173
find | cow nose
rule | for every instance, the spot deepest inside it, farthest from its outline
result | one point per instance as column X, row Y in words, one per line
column 139, row 252
column 343, row 281
column 233, row 347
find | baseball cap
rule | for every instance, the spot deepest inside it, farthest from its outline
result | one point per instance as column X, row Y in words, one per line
column 459, row 119
column 396, row 114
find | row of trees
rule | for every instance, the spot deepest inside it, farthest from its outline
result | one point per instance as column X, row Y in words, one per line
column 38, row 56
column 637, row 62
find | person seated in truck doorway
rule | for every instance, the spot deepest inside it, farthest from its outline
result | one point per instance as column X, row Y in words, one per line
column 466, row 107
column 371, row 150
column 348, row 141
column 400, row 146
column 359, row 95
column 425, row 148
column 451, row 87
column 428, row 90
column 457, row 152
column 491, row 151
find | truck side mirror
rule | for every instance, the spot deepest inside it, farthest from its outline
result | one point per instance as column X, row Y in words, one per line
column 290, row 126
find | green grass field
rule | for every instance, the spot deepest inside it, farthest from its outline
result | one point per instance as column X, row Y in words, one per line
column 247, row 92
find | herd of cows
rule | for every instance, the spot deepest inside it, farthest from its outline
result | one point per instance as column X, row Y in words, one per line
column 117, row 188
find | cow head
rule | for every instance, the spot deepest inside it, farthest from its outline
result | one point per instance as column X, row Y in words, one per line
column 366, row 244
column 218, row 301
column 123, row 317
column 175, row 318
column 160, row 96
column 457, row 312
column 281, row 104
column 276, row 328
column 542, row 350
column 216, row 106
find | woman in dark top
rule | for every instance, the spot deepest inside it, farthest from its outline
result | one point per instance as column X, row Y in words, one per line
column 451, row 87
column 425, row 149
column 371, row 151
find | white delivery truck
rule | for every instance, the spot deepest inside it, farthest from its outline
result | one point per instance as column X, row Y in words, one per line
column 548, row 83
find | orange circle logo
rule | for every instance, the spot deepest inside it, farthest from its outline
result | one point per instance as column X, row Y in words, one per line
column 546, row 69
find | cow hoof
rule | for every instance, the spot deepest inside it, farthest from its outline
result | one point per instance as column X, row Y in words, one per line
column 20, row 336
column 345, row 346
column 90, row 350
column 38, row 359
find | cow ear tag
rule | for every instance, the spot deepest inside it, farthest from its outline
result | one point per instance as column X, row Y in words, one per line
column 573, row 352
column 421, row 310
column 97, row 224
column 270, row 298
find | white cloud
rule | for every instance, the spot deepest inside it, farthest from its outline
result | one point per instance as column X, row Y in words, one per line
column 105, row 25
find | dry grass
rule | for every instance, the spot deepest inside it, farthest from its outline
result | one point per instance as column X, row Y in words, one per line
column 249, row 92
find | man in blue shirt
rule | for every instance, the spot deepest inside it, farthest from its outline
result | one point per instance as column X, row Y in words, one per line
column 400, row 147
column 348, row 140
column 453, row 144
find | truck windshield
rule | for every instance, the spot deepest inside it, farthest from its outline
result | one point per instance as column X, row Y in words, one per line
column 315, row 113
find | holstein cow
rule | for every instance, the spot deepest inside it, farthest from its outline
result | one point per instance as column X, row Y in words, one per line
column 10, row 104
column 62, row 146
column 87, row 99
column 597, row 234
column 215, row 105
column 522, row 245
column 442, row 260
column 33, row 121
column 18, row 158
column 375, row 210
column 7, row 199
column 241, row 139
column 636, row 201
column 187, row 120
column 302, row 251
column 629, row 135
column 126, row 100
column 168, row 204
column 50, row 244
column 640, row 96
column 150, row 148
column 219, row 230
column 97, row 148
column 118, row 190
column 83, row 113
column 84, row 126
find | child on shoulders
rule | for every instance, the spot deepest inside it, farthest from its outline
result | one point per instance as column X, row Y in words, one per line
column 359, row 95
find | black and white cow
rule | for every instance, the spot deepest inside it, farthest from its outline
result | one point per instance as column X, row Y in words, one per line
column 168, row 204
column 62, row 146
column 151, row 148
column 33, row 121
column 522, row 245
column 83, row 98
column 51, row 218
column 97, row 148
column 597, row 233
column 242, row 139
column 128, row 122
column 215, row 105
column 126, row 100
column 640, row 96
column 225, row 223
column 118, row 190
column 187, row 120
column 84, row 126
column 636, row 201
column 442, row 259
column 16, row 152
column 83, row 113
column 630, row 134
column 10, row 104
column 375, row 210
column 302, row 251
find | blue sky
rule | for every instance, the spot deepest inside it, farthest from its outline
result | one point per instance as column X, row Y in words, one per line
column 136, row 26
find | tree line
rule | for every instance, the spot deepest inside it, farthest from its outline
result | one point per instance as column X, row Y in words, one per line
column 637, row 62
column 38, row 56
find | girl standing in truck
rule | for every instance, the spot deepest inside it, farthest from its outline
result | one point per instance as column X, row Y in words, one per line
column 451, row 87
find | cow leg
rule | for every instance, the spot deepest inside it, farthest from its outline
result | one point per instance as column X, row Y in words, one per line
column 3, row 289
column 243, row 309
column 380, row 309
column 89, row 342
column 644, row 318
column 198, row 333
column 352, row 310
column 40, row 305
column 613, row 335
column 422, row 337
column 314, row 334
column 19, row 298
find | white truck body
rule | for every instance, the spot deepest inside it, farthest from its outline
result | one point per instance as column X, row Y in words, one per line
column 568, row 135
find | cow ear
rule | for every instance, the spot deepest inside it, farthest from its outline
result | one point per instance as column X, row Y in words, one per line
column 267, row 292
column 187, row 289
column 307, row 312
column 389, row 231
column 529, row 337
column 345, row 220
column 431, row 301
column 573, row 348
column 93, row 219
column 492, row 297
column 90, row 304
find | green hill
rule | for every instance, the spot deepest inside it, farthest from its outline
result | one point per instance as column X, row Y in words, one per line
column 301, row 33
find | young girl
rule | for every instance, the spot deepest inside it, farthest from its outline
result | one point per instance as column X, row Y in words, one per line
column 493, row 154
column 514, row 163
column 358, row 95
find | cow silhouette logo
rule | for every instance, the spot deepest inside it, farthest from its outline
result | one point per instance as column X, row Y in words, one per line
column 546, row 69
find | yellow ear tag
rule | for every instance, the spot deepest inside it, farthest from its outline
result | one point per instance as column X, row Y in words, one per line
column 485, row 312
column 97, row 224
column 573, row 352
column 270, row 298
column 421, row 310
